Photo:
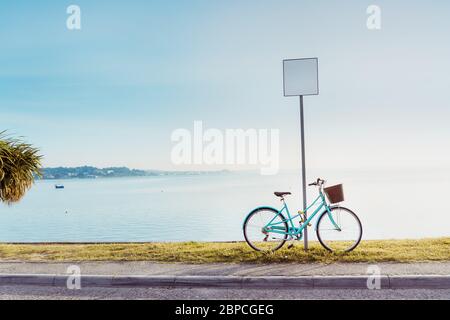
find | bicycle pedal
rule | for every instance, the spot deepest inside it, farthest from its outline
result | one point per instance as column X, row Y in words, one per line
column 290, row 246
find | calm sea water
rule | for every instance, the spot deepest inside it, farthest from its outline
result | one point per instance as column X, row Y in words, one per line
column 212, row 207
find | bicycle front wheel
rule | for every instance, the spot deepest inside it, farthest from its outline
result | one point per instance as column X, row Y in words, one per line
column 265, row 229
column 339, row 231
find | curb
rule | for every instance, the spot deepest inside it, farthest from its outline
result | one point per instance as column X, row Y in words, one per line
column 273, row 282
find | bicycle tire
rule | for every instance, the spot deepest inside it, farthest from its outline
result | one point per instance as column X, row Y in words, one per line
column 249, row 216
column 325, row 213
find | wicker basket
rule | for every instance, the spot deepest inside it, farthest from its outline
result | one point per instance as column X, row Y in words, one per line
column 335, row 194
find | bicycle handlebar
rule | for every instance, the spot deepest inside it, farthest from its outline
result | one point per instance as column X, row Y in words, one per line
column 319, row 182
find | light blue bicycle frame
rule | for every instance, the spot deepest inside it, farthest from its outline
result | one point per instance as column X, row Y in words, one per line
column 292, row 230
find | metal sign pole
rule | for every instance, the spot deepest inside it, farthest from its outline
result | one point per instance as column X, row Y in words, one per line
column 301, row 78
column 302, row 129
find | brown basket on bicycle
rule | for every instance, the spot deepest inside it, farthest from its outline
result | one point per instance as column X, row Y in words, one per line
column 335, row 194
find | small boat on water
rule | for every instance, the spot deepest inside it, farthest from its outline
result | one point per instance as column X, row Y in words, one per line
column 59, row 186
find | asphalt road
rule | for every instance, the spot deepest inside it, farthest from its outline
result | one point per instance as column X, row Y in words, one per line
column 52, row 293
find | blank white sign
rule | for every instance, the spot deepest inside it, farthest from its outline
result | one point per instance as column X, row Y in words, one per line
column 300, row 77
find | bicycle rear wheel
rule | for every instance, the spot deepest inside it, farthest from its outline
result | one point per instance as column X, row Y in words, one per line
column 344, row 234
column 261, row 238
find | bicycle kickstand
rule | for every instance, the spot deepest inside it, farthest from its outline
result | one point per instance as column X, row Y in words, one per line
column 291, row 245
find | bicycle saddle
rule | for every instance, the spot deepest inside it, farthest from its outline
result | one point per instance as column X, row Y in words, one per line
column 281, row 194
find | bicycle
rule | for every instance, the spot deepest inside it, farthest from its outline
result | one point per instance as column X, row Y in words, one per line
column 337, row 228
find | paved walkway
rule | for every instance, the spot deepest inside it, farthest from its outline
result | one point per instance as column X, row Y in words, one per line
column 243, row 270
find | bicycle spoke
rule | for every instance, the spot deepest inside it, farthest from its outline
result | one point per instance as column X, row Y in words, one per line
column 254, row 226
column 263, row 240
column 344, row 238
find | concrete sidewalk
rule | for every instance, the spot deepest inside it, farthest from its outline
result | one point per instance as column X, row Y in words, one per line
column 221, row 269
column 147, row 274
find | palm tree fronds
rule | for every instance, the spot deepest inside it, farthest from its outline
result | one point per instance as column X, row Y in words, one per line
column 20, row 163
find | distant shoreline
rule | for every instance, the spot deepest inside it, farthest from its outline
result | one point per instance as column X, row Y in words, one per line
column 88, row 172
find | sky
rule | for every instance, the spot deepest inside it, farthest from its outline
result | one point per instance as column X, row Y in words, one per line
column 112, row 93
